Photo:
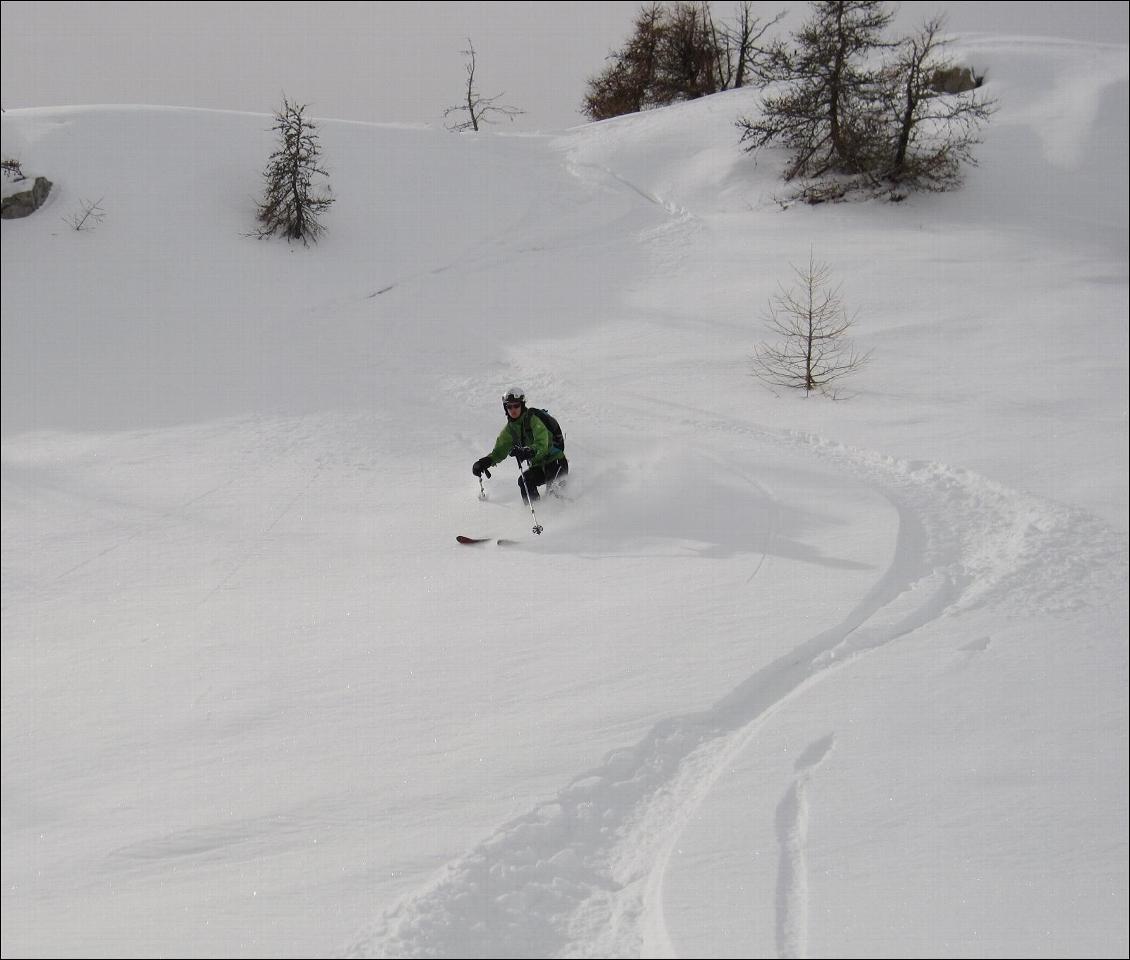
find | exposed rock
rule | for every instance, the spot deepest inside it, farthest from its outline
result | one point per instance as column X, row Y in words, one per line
column 954, row 80
column 25, row 202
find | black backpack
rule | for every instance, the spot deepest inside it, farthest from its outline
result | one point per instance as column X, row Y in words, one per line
column 554, row 428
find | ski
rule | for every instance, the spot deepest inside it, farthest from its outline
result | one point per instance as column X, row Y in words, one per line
column 502, row 542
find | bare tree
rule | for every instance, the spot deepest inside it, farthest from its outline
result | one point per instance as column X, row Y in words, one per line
column 479, row 109
column 88, row 216
column 813, row 351
column 690, row 55
column 828, row 116
column 677, row 51
column 290, row 205
column 934, row 131
column 854, row 124
column 627, row 84
column 749, row 57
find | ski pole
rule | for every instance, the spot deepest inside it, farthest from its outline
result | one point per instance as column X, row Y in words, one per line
column 482, row 489
column 525, row 487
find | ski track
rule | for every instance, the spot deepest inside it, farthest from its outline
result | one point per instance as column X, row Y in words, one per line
column 581, row 875
column 792, row 871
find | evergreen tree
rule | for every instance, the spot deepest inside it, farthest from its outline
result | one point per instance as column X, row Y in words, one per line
column 289, row 205
column 829, row 115
column 853, row 120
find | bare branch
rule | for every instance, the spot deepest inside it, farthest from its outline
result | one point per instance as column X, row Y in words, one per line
column 479, row 109
column 88, row 216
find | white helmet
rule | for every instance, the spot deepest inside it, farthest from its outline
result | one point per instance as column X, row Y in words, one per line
column 514, row 395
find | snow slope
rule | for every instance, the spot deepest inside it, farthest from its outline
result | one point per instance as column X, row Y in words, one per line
column 783, row 677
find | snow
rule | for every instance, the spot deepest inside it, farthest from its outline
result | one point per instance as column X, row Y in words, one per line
column 784, row 677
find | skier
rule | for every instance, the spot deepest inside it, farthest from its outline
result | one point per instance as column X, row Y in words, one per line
column 530, row 435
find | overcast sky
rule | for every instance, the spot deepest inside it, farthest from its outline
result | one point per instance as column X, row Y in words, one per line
column 385, row 62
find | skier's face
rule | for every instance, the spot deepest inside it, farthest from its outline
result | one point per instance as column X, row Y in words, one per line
column 513, row 410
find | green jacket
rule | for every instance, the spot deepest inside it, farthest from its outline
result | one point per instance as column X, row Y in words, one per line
column 526, row 431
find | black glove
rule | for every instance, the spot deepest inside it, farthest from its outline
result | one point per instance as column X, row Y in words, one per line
column 522, row 453
column 482, row 465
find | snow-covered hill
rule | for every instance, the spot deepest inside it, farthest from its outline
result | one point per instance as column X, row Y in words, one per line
column 784, row 677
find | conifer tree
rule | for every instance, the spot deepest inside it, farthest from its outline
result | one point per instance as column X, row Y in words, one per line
column 829, row 116
column 626, row 84
column 812, row 351
column 290, row 205
column 678, row 52
column 856, row 116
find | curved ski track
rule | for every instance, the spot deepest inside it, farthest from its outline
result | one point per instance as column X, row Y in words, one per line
column 581, row 875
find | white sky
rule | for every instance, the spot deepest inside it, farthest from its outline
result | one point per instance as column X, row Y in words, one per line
column 384, row 62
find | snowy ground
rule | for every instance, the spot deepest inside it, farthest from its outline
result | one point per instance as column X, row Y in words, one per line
column 785, row 677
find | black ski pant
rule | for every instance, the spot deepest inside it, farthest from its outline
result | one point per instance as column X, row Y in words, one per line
column 544, row 474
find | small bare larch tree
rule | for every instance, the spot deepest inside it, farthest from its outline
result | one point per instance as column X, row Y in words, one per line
column 88, row 216
column 812, row 351
column 290, row 205
column 479, row 109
